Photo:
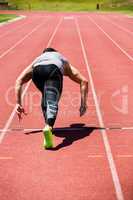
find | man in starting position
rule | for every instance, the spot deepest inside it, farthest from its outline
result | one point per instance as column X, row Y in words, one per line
column 47, row 73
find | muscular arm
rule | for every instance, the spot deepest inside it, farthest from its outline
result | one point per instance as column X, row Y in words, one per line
column 77, row 77
column 25, row 76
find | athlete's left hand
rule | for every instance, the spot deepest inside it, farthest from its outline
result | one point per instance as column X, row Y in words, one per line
column 20, row 110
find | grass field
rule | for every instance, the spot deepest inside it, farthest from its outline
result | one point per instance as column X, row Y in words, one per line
column 72, row 5
column 119, row 5
column 56, row 5
column 5, row 17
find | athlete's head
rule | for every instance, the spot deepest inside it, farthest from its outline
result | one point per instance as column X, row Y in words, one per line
column 49, row 50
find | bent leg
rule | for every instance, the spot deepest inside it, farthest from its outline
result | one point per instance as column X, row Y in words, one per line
column 49, row 80
column 52, row 93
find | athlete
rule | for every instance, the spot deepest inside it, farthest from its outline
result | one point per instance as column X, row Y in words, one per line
column 47, row 73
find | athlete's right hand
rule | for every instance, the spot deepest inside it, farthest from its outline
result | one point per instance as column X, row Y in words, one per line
column 20, row 110
column 82, row 109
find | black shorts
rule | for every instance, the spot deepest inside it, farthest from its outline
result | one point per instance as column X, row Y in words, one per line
column 47, row 75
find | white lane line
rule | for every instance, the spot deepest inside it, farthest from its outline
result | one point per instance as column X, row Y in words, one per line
column 5, row 158
column 68, row 17
column 95, row 156
column 21, row 40
column 127, row 128
column 112, row 166
column 115, row 24
column 3, row 133
column 107, row 35
column 20, row 129
column 124, row 156
column 53, row 35
column 14, row 29
column 68, row 129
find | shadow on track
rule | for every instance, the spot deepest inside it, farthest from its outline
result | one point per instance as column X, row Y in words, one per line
column 70, row 134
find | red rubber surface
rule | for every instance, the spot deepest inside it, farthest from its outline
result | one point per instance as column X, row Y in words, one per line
column 78, row 167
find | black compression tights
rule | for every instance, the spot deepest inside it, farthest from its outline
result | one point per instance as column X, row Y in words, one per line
column 48, row 79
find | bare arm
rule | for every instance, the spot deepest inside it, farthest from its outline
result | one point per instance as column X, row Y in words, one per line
column 24, row 77
column 77, row 77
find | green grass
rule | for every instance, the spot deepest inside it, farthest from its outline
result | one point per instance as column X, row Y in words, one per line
column 56, row 5
column 119, row 5
column 5, row 17
column 64, row 6
column 73, row 5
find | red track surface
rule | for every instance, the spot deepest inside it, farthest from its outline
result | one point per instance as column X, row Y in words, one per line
column 87, row 163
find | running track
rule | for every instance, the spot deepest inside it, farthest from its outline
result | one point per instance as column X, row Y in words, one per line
column 88, row 163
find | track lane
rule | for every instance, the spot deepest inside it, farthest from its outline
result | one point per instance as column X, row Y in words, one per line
column 118, row 25
column 125, row 21
column 116, row 104
column 87, row 172
column 31, row 153
column 12, row 25
column 112, row 166
column 14, row 39
column 121, row 39
column 120, row 71
column 15, row 27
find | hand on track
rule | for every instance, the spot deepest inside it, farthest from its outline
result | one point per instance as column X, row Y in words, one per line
column 82, row 110
column 20, row 110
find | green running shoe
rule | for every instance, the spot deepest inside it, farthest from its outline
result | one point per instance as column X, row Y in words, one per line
column 48, row 138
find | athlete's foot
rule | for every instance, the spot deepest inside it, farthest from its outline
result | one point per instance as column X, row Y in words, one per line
column 48, row 137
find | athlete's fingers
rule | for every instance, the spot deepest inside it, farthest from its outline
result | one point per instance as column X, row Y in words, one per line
column 20, row 110
column 19, row 116
column 82, row 110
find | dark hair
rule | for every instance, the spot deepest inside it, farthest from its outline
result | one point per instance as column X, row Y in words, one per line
column 48, row 50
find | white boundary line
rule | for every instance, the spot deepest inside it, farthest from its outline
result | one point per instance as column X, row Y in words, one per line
column 116, row 44
column 3, row 133
column 67, row 129
column 112, row 166
column 12, row 20
column 21, row 40
column 115, row 24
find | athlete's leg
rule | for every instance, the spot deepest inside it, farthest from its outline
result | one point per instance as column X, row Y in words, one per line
column 48, row 79
column 50, row 99
column 51, row 96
